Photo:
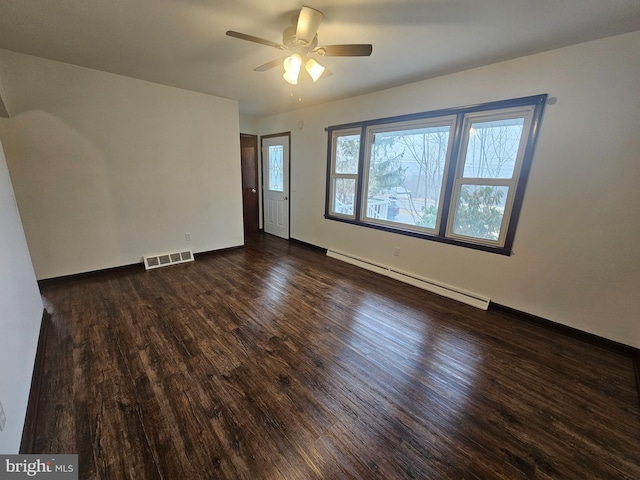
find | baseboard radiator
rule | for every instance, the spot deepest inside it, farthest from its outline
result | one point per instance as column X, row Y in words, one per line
column 420, row 282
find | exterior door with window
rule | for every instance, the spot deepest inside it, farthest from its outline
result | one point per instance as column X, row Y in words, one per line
column 275, row 165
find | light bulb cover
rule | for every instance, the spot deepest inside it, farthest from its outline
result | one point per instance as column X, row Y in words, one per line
column 314, row 69
column 289, row 79
column 292, row 66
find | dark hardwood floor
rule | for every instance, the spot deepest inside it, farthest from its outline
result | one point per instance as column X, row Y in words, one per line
column 276, row 362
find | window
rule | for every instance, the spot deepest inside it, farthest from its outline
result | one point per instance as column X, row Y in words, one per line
column 405, row 173
column 276, row 169
column 455, row 176
column 344, row 172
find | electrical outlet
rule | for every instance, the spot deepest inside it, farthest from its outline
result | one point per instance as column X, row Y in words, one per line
column 396, row 251
column 187, row 237
column 3, row 418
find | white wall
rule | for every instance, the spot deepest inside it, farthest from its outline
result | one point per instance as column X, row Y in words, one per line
column 249, row 125
column 575, row 255
column 107, row 168
column 21, row 309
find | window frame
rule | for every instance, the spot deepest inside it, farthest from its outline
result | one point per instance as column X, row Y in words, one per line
column 453, row 172
column 333, row 175
column 526, row 113
column 370, row 132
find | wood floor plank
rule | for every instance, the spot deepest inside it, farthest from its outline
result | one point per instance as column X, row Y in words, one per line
column 277, row 362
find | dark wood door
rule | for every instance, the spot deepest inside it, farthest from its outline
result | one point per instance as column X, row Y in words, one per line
column 249, row 161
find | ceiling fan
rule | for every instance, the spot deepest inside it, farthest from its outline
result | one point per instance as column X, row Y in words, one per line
column 301, row 39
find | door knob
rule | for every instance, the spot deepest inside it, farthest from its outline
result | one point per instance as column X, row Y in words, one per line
column 286, row 198
column 253, row 190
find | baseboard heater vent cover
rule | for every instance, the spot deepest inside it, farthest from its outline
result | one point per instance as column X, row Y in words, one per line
column 157, row 261
column 420, row 282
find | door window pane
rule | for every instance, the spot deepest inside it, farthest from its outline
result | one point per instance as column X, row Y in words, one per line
column 406, row 173
column 479, row 211
column 276, row 181
column 493, row 148
column 347, row 151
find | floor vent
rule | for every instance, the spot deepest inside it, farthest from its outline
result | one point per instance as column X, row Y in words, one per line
column 155, row 261
column 420, row 282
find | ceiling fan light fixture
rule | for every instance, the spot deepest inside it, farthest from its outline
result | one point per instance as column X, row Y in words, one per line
column 292, row 67
column 314, row 69
column 301, row 39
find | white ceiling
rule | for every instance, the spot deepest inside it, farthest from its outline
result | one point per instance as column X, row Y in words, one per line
column 183, row 43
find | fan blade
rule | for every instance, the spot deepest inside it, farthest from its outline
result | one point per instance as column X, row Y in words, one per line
column 326, row 73
column 251, row 38
column 269, row 65
column 351, row 50
column 308, row 23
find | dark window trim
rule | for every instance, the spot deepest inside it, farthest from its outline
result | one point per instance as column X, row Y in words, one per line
column 537, row 101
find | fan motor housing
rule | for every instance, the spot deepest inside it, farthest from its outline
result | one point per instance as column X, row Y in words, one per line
column 290, row 40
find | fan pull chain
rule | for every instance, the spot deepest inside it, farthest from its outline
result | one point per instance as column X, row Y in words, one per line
column 291, row 94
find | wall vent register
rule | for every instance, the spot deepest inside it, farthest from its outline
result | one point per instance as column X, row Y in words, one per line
column 162, row 260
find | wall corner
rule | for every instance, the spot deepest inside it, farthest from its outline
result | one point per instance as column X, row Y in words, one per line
column 4, row 110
